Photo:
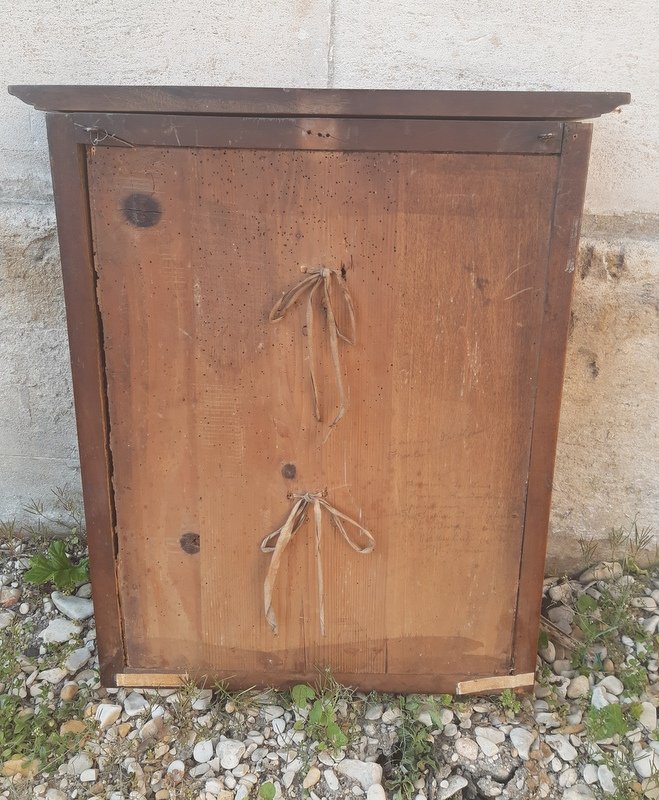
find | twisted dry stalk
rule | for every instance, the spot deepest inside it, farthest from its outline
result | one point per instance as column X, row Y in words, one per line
column 315, row 278
column 284, row 535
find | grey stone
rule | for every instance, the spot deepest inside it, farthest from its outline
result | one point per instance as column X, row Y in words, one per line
column 59, row 630
column 600, row 697
column 605, row 778
column 455, row 784
column 54, row 675
column 364, row 772
column 76, row 608
column 487, row 746
column 466, row 748
column 604, row 571
column 77, row 659
column 561, row 744
column 203, row 751
column 648, row 717
column 578, row 792
column 522, row 741
column 230, row 751
column 79, row 763
column 331, row 780
column 6, row 618
column 135, row 704
column 578, row 687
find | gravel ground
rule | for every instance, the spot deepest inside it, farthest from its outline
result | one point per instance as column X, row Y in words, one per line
column 589, row 731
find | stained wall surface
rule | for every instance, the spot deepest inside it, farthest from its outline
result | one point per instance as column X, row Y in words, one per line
column 607, row 456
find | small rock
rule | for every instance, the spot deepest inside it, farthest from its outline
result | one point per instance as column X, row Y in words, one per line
column 375, row 792
column 6, row 618
column 488, row 787
column 561, row 744
column 331, row 780
column 88, row 776
column 203, row 751
column 73, row 607
column 364, row 772
column 590, row 773
column 568, row 778
column 599, row 698
column 604, row 571
column 77, row 659
column 136, row 704
column 72, row 726
column 59, row 630
column 648, row 717
column 467, row 748
column 522, row 741
column 548, row 719
column 9, row 596
column 493, row 734
column 85, row 590
column 578, row 687
column 55, row 794
column 612, row 685
column 150, row 730
column 69, row 691
column 548, row 653
column 107, row 714
column 646, row 763
column 454, row 785
column 79, row 763
column 54, row 675
column 176, row 771
column 311, row 778
column 646, row 603
column 272, row 712
column 605, row 778
column 608, row 666
column 230, row 751
column 578, row 792
column 374, row 711
column 488, row 748
column 562, row 617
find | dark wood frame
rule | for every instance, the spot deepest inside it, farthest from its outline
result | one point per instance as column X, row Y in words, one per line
column 70, row 134
column 387, row 103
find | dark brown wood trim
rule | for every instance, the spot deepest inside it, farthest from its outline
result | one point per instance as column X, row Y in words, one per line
column 244, row 101
column 569, row 200
column 68, row 166
column 418, row 135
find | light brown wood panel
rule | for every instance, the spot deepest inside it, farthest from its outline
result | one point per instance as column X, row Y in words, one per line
column 446, row 260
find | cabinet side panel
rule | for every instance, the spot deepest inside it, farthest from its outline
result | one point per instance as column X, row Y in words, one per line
column 87, row 365
column 560, row 277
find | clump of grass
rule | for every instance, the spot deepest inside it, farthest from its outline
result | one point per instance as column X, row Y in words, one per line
column 321, row 708
column 414, row 752
column 510, row 702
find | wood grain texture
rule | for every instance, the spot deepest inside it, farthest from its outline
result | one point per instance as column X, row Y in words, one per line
column 320, row 133
column 322, row 102
column 446, row 259
column 560, row 277
column 69, row 174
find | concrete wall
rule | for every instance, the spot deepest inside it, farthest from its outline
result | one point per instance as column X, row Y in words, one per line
column 607, row 468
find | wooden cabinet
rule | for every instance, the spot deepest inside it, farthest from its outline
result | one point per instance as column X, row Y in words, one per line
column 443, row 227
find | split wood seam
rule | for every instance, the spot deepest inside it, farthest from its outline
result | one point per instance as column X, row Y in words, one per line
column 322, row 276
column 284, row 535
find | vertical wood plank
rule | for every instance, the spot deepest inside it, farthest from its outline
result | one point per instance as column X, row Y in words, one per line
column 87, row 363
column 560, row 277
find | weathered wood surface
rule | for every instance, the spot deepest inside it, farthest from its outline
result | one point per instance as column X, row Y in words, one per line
column 446, row 258
column 322, row 102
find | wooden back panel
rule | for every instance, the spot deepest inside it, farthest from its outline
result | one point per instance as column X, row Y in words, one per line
column 446, row 260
